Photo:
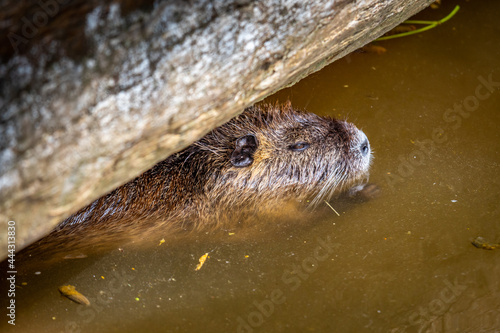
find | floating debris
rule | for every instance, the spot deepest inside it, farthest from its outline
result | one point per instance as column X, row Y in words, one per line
column 202, row 260
column 436, row 4
column 70, row 292
column 427, row 25
column 482, row 243
column 162, row 241
column 376, row 49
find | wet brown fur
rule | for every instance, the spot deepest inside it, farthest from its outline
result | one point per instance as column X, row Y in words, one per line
column 199, row 188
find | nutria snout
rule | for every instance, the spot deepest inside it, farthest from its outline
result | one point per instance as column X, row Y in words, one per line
column 258, row 161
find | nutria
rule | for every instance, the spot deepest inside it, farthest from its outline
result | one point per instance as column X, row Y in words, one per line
column 269, row 156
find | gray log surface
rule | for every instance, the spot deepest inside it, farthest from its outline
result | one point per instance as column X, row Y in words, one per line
column 100, row 92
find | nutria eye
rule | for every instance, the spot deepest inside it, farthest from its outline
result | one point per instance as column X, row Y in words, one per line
column 299, row 146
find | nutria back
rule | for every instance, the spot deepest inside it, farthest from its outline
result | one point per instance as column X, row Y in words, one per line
column 268, row 157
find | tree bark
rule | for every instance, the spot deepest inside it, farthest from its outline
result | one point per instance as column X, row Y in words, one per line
column 99, row 92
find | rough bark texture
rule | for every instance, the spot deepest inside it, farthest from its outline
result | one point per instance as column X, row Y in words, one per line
column 93, row 93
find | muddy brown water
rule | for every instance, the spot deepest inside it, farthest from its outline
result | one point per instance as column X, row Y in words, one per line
column 400, row 263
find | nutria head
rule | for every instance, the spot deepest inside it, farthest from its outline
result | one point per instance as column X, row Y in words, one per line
column 274, row 152
column 267, row 157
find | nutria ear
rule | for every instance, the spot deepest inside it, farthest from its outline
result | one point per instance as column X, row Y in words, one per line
column 242, row 155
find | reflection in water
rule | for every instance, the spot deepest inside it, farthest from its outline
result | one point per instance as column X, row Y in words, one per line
column 401, row 263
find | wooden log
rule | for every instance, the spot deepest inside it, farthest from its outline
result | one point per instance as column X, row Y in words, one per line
column 93, row 93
